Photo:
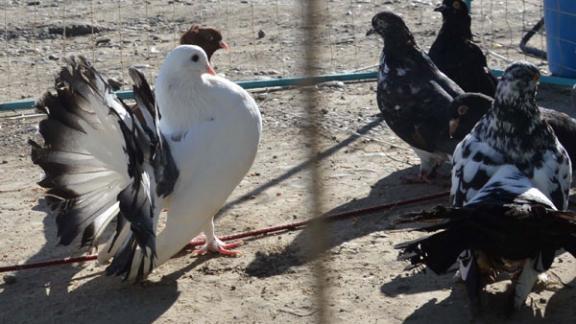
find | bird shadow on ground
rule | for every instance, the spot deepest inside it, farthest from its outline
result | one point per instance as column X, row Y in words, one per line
column 306, row 164
column 494, row 307
column 56, row 294
column 389, row 189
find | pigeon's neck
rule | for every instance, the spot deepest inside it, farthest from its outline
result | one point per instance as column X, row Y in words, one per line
column 516, row 130
column 398, row 43
column 182, row 103
column 456, row 27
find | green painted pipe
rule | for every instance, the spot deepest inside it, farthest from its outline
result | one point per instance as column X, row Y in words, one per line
column 293, row 81
column 250, row 84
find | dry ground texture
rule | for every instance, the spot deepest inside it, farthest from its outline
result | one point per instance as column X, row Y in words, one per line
column 361, row 160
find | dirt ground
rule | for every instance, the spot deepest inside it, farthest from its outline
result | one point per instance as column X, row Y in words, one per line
column 362, row 162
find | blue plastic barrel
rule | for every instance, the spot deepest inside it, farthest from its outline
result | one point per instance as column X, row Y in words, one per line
column 560, row 23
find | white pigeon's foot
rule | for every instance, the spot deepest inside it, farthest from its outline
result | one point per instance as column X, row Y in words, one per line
column 217, row 246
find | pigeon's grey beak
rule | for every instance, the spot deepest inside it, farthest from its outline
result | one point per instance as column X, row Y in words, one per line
column 441, row 8
column 453, row 126
column 370, row 32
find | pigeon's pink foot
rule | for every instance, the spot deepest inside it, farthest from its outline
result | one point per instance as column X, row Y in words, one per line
column 217, row 246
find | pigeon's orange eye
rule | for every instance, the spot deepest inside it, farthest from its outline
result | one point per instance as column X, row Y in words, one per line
column 456, row 5
column 536, row 77
column 462, row 110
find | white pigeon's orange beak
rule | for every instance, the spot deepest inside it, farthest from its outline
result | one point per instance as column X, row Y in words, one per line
column 223, row 45
column 210, row 70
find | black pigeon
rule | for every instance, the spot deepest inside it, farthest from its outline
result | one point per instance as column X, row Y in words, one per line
column 413, row 95
column 509, row 228
column 456, row 55
column 467, row 109
column 512, row 132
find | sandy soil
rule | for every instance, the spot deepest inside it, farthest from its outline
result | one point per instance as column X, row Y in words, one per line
column 363, row 164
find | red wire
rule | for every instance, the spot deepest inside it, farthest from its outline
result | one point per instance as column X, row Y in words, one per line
column 263, row 231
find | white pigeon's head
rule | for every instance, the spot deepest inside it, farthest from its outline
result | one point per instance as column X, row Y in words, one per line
column 188, row 59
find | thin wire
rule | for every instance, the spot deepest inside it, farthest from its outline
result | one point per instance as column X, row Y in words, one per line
column 253, row 19
column 64, row 28
column 92, row 35
column 6, row 51
column 173, row 24
column 147, row 29
column 318, row 241
column 510, row 31
column 120, row 35
column 331, row 38
column 36, row 50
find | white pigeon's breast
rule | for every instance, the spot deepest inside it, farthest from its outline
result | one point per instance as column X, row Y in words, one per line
column 213, row 136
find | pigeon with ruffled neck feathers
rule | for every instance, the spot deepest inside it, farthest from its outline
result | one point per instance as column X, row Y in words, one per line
column 512, row 132
column 468, row 109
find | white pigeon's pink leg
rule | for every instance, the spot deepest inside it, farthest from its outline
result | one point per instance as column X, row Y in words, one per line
column 215, row 245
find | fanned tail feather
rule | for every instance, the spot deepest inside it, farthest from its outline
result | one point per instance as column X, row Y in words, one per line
column 97, row 163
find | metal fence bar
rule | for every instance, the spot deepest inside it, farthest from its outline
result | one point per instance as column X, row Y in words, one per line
column 317, row 239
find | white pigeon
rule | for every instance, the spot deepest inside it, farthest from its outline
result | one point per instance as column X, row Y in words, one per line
column 511, row 154
column 185, row 152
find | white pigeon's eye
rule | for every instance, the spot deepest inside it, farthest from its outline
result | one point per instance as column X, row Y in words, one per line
column 195, row 58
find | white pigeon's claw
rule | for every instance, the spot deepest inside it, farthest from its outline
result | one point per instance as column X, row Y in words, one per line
column 217, row 246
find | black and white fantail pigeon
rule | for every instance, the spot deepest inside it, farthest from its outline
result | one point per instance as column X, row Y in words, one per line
column 413, row 95
column 185, row 153
column 456, row 55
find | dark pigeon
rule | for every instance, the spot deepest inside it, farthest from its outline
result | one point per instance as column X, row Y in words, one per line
column 456, row 55
column 510, row 229
column 413, row 95
column 210, row 39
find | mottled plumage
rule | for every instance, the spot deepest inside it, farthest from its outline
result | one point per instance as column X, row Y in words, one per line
column 511, row 156
column 456, row 55
column 413, row 95
column 512, row 132
column 467, row 109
